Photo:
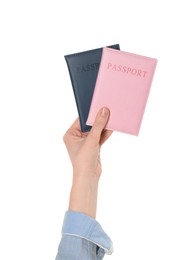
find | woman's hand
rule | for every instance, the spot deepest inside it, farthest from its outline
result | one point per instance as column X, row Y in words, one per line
column 84, row 148
column 84, row 152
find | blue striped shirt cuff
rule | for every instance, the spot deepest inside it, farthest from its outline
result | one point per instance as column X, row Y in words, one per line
column 80, row 225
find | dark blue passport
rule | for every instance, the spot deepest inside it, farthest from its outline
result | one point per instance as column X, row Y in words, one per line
column 83, row 69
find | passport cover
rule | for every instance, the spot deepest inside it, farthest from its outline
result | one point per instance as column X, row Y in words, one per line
column 122, row 85
column 83, row 69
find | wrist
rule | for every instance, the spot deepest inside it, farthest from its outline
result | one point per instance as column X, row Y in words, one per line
column 86, row 173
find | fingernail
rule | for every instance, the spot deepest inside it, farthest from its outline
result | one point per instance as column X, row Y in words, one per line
column 104, row 112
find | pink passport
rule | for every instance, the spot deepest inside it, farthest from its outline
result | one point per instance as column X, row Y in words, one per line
column 123, row 84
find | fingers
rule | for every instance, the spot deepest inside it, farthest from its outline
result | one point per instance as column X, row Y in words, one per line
column 105, row 135
column 99, row 124
column 74, row 130
column 75, row 125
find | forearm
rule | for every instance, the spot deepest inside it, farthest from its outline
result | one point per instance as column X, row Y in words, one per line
column 83, row 196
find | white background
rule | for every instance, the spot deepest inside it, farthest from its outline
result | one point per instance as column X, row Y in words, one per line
column 37, row 106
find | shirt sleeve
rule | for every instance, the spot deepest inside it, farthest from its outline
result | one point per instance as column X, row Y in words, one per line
column 82, row 238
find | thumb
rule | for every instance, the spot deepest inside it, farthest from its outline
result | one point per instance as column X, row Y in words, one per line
column 99, row 124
